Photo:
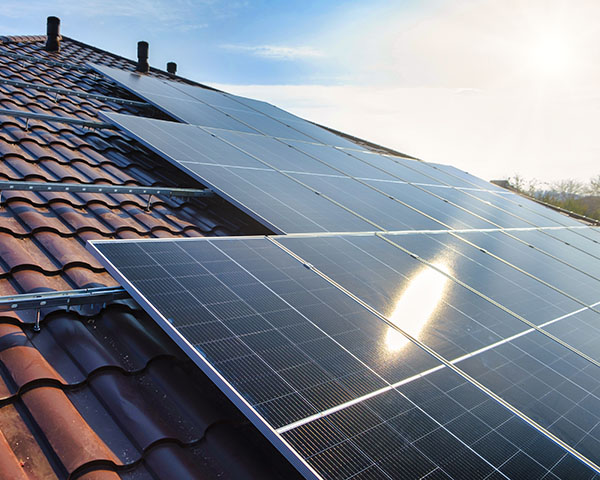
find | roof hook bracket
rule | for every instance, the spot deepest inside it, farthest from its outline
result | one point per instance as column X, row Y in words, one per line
column 36, row 326
column 148, row 204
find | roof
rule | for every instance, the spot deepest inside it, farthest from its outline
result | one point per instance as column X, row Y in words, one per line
column 100, row 393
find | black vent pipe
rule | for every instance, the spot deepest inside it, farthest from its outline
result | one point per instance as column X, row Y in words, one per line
column 142, row 52
column 172, row 68
column 53, row 34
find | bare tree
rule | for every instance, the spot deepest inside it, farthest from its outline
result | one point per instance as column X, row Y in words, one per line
column 568, row 187
column 593, row 187
column 522, row 184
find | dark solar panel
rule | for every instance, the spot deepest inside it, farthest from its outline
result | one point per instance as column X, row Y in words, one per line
column 434, row 206
column 566, row 270
column 369, row 203
column 342, row 161
column 209, row 108
column 275, row 152
column 273, row 198
column 533, row 212
column 333, row 386
column 502, row 213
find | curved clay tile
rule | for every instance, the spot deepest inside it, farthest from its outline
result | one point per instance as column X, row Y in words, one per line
column 69, row 435
column 10, row 466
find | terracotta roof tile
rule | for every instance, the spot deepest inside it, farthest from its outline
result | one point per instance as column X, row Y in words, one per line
column 101, row 392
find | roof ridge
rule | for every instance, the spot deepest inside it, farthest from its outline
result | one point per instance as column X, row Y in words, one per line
column 5, row 39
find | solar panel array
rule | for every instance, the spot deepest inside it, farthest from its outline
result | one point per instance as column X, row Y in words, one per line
column 413, row 322
column 389, row 355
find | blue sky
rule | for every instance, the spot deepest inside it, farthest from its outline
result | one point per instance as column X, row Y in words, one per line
column 495, row 87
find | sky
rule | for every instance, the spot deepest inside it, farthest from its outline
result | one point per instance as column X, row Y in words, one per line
column 495, row 87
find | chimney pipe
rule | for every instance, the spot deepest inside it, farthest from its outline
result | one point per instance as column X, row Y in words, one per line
column 172, row 68
column 53, row 34
column 142, row 52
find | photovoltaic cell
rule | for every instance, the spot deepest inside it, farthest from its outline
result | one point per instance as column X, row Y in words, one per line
column 286, row 344
column 185, row 143
column 442, row 314
column 534, row 373
column 286, row 205
column 437, row 174
column 326, row 375
column 576, row 240
column 211, row 97
column 266, row 125
column 587, row 260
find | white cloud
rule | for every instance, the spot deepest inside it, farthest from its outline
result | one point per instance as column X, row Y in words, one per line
column 277, row 52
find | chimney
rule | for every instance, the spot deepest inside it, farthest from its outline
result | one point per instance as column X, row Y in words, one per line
column 142, row 52
column 172, row 68
column 53, row 34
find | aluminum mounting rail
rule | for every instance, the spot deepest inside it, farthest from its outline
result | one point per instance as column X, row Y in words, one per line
column 72, row 93
column 53, row 63
column 19, row 186
column 55, row 118
column 100, row 188
column 67, row 298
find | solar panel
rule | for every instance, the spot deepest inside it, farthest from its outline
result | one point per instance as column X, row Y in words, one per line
column 473, row 180
column 335, row 387
column 342, row 161
column 394, row 167
column 274, row 199
column 433, row 205
column 500, row 282
column 386, row 212
column 209, row 108
column 532, row 212
column 559, row 272
column 277, row 153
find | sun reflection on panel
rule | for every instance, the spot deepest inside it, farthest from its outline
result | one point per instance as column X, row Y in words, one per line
column 416, row 305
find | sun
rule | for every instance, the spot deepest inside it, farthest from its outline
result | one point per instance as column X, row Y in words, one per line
column 551, row 55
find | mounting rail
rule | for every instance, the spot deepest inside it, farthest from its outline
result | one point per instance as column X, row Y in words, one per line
column 100, row 188
column 52, row 63
column 72, row 93
column 19, row 186
column 55, row 118
column 66, row 298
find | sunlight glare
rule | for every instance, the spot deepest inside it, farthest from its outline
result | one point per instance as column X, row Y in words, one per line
column 416, row 305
